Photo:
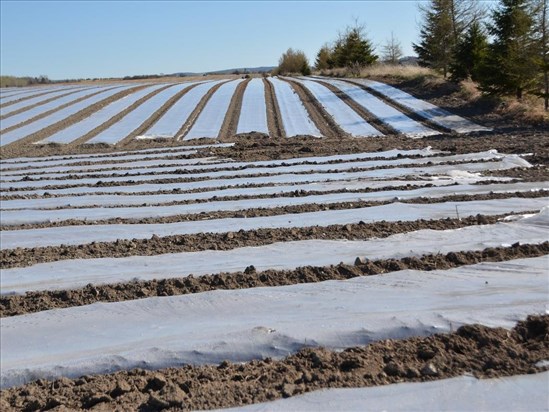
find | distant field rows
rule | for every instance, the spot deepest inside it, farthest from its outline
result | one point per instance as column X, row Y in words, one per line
column 218, row 109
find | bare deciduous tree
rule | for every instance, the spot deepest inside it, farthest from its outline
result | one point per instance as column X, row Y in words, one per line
column 392, row 50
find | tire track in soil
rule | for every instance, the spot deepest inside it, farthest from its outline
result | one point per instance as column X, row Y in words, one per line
column 191, row 120
column 411, row 114
column 274, row 118
column 22, row 257
column 323, row 121
column 56, row 109
column 19, row 147
column 104, row 126
column 490, row 353
column 31, row 302
column 230, row 122
column 364, row 113
column 155, row 117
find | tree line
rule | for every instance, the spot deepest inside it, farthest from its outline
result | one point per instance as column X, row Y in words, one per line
column 505, row 50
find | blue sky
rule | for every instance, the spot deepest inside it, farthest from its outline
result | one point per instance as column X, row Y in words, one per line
column 111, row 39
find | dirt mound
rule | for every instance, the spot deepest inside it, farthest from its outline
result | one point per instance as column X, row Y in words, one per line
column 476, row 349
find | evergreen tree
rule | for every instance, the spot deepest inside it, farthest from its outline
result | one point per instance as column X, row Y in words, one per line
column 510, row 64
column 470, row 54
column 444, row 24
column 323, row 58
column 353, row 48
column 437, row 36
column 540, row 14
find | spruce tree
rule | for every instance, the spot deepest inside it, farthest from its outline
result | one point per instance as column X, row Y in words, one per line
column 511, row 61
column 353, row 48
column 323, row 58
column 444, row 23
column 437, row 36
column 470, row 54
column 540, row 14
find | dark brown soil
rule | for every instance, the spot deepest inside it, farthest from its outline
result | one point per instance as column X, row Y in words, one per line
column 21, row 257
column 230, row 123
column 12, row 305
column 474, row 349
column 274, row 118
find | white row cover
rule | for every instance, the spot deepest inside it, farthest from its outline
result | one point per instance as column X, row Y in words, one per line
column 241, row 325
column 62, row 160
column 520, row 393
column 176, row 116
column 5, row 111
column 253, row 114
column 125, row 126
column 313, row 159
column 85, row 126
column 424, row 109
column 295, row 119
column 70, row 274
column 211, row 118
column 32, row 91
column 467, row 171
column 298, row 168
column 349, row 120
column 385, row 113
column 37, row 125
column 31, row 216
column 161, row 159
column 158, row 199
column 393, row 212
column 46, row 107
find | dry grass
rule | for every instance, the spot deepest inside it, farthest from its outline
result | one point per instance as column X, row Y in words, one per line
column 395, row 71
column 530, row 109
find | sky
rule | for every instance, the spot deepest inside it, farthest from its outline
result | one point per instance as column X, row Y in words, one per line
column 89, row 39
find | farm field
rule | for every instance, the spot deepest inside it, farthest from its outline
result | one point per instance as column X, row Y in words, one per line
column 269, row 244
column 218, row 109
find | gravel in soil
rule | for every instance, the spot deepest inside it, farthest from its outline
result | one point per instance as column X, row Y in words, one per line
column 12, row 305
column 475, row 349
column 21, row 257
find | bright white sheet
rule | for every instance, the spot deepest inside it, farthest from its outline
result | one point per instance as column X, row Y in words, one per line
column 70, row 274
column 253, row 114
column 241, row 325
column 95, row 120
column 393, row 212
column 210, row 119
